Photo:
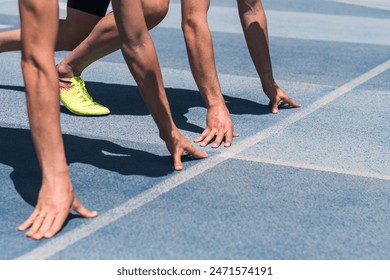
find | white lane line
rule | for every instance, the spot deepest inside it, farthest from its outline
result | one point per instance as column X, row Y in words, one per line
column 376, row 4
column 316, row 167
column 4, row 26
column 297, row 25
column 61, row 242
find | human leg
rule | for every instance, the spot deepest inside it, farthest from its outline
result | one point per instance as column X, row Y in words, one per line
column 73, row 93
column 103, row 40
column 10, row 40
column 56, row 197
column 75, row 28
column 71, row 32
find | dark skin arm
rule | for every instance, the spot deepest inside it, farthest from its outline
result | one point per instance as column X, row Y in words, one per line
column 254, row 25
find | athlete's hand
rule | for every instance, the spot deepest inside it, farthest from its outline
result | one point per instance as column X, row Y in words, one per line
column 56, row 199
column 177, row 144
column 278, row 96
column 219, row 127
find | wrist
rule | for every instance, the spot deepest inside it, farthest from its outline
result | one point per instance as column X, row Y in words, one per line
column 214, row 100
column 269, row 86
column 51, row 177
column 267, row 81
column 168, row 133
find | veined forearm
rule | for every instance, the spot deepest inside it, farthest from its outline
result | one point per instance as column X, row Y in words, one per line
column 254, row 25
column 202, row 62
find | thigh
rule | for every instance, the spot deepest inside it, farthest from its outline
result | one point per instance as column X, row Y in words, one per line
column 82, row 16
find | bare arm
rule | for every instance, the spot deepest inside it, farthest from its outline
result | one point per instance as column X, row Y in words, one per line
column 201, row 58
column 56, row 197
column 141, row 58
column 254, row 25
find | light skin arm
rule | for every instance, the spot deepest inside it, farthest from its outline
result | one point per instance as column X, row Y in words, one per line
column 56, row 197
column 140, row 55
column 201, row 58
column 254, row 25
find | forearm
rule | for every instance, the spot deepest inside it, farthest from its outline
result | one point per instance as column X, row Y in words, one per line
column 140, row 55
column 43, row 111
column 201, row 58
column 41, row 85
column 254, row 25
column 144, row 66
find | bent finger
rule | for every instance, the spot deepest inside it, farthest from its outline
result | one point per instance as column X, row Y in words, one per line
column 178, row 165
column 83, row 211
column 36, row 225
column 218, row 140
column 196, row 153
column 46, row 225
column 202, row 136
column 229, row 138
column 59, row 221
column 274, row 106
column 208, row 139
column 30, row 220
column 291, row 102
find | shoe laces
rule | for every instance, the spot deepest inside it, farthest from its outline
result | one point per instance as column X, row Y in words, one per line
column 82, row 92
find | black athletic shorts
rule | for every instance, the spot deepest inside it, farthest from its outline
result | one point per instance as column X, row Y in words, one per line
column 94, row 7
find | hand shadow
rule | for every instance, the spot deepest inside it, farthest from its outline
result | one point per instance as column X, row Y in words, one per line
column 17, row 151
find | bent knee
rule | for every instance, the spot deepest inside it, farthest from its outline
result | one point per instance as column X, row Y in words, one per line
column 155, row 11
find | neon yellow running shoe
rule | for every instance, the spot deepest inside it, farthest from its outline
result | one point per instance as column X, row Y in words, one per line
column 77, row 100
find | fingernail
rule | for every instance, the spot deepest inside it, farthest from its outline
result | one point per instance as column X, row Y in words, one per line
column 48, row 235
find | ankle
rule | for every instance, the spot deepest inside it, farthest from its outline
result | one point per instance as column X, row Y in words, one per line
column 64, row 83
column 65, row 71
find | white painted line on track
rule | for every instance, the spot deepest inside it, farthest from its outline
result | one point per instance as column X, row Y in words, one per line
column 4, row 26
column 376, row 4
column 61, row 242
column 297, row 25
column 315, row 167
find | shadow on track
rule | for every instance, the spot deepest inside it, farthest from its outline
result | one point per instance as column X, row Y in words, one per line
column 17, row 151
column 126, row 100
